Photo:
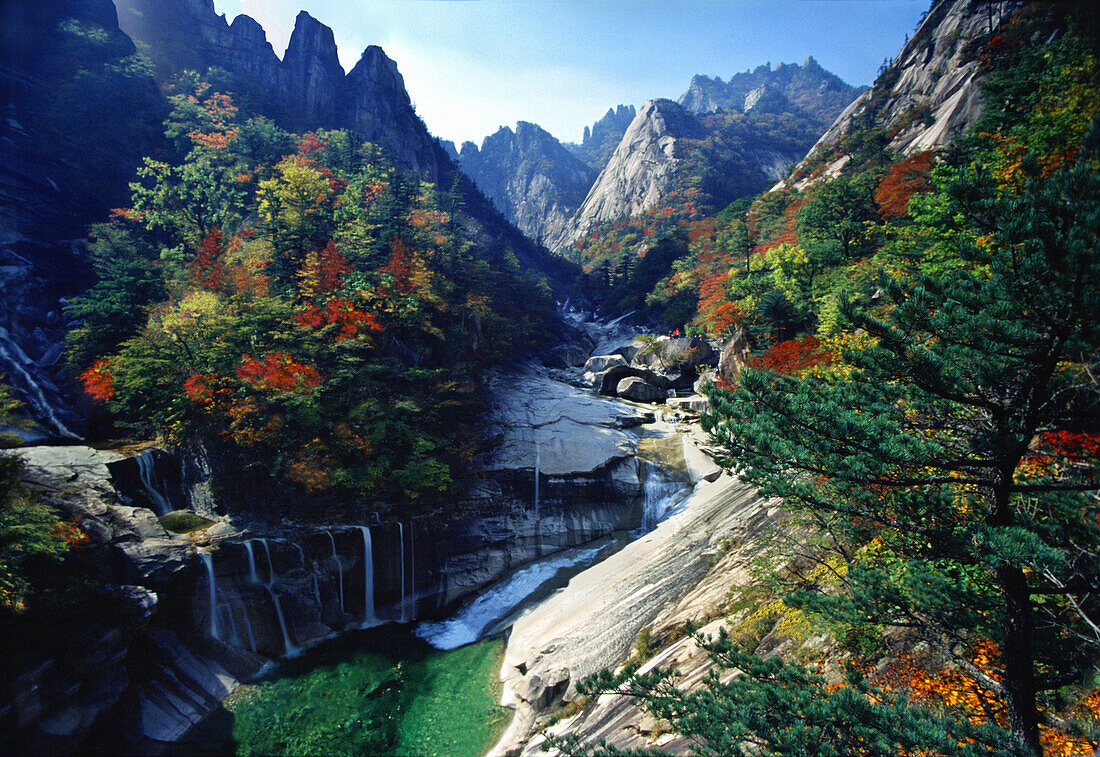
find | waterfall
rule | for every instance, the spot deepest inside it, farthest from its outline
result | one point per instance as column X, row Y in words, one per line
column 251, row 563
column 401, row 541
column 270, row 565
column 661, row 496
column 368, row 577
column 208, row 561
column 248, row 625
column 317, row 592
column 301, row 552
column 538, row 465
column 339, row 569
column 148, row 472
column 291, row 649
column 412, row 569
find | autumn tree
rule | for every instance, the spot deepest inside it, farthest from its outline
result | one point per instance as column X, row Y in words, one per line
column 925, row 447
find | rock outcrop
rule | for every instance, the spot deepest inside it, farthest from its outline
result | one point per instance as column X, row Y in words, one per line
column 530, row 177
column 808, row 86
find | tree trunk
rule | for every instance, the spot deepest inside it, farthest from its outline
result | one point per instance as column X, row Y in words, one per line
column 1017, row 651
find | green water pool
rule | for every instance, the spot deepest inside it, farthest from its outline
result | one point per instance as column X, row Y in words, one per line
column 376, row 692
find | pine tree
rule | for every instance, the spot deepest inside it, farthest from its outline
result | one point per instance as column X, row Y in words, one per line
column 962, row 443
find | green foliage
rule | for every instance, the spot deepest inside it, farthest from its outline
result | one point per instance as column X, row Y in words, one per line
column 923, row 449
column 27, row 527
column 774, row 707
column 295, row 300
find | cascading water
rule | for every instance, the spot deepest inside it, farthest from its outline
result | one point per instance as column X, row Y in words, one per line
column 497, row 602
column 339, row 569
column 661, row 495
column 368, row 578
column 270, row 565
column 208, row 561
column 538, row 466
column 251, row 563
column 401, row 541
column 291, row 648
column 148, row 473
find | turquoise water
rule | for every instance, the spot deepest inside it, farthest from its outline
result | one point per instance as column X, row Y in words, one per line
column 376, row 692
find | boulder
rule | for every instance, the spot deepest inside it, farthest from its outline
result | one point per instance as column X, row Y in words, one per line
column 735, row 354
column 634, row 388
column 607, row 382
column 695, row 404
column 674, row 352
column 598, row 363
column 706, row 378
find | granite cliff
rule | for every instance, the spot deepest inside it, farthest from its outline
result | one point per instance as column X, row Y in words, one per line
column 530, row 177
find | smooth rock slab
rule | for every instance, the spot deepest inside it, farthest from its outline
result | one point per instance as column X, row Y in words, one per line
column 592, row 623
column 577, row 433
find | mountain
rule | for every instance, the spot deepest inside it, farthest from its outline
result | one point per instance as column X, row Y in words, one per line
column 672, row 157
column 601, row 140
column 808, row 86
column 530, row 177
column 309, row 90
column 639, row 171
column 928, row 95
column 306, row 90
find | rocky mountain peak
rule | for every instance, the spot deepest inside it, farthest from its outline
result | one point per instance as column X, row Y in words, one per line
column 529, row 176
column 930, row 93
column 808, row 86
column 766, row 99
column 311, row 41
column 600, row 140
column 378, row 71
column 639, row 171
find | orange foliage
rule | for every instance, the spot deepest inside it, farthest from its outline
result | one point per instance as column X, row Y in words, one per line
column 99, row 383
column 71, row 533
column 957, row 691
column 310, row 143
column 793, row 356
column 310, row 467
column 280, row 372
column 904, row 180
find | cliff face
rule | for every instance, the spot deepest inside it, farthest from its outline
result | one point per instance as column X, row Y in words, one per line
column 79, row 112
column 305, row 90
column 930, row 93
column 640, row 169
column 808, row 86
column 601, row 140
column 530, row 177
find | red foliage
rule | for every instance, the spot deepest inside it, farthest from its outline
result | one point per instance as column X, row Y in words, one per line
column 310, row 143
column 351, row 319
column 400, row 266
column 200, row 388
column 1077, row 447
column 99, row 382
column 278, row 371
column 792, row 356
column 207, row 266
column 904, row 180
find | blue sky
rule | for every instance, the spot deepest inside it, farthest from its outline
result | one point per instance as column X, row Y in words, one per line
column 472, row 66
